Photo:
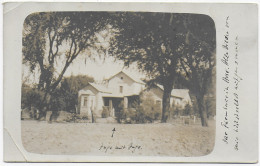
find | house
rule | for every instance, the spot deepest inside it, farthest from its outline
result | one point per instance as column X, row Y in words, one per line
column 179, row 97
column 121, row 90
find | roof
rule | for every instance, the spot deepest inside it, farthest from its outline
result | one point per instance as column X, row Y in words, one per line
column 88, row 92
column 181, row 93
column 100, row 88
column 134, row 78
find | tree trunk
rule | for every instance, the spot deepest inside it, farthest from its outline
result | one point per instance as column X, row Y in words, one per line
column 44, row 106
column 166, row 103
column 202, row 110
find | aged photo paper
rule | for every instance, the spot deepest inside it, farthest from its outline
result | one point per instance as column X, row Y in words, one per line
column 131, row 82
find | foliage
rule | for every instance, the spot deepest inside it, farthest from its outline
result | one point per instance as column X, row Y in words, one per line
column 187, row 110
column 68, row 91
column 131, row 115
column 76, row 118
column 175, row 110
column 151, row 40
column 63, row 98
column 121, row 115
column 147, row 111
column 31, row 97
column 170, row 48
column 52, row 41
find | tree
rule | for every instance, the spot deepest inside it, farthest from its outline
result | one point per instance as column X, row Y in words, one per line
column 166, row 46
column 55, row 37
column 69, row 88
column 196, row 68
column 31, row 97
column 152, row 40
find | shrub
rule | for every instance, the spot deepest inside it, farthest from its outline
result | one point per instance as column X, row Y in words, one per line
column 71, row 118
column 31, row 97
column 187, row 110
column 121, row 115
column 147, row 110
column 130, row 115
column 105, row 112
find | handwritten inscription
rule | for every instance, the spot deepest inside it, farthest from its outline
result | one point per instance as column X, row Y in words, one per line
column 131, row 147
column 225, row 79
column 236, row 81
column 231, row 81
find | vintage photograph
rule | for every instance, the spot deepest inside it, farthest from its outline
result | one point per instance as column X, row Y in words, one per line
column 118, row 83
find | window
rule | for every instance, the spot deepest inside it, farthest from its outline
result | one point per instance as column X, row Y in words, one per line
column 121, row 89
column 122, row 78
column 85, row 101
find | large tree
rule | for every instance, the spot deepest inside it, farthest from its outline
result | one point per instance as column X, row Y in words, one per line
column 196, row 67
column 51, row 42
column 160, row 43
column 69, row 88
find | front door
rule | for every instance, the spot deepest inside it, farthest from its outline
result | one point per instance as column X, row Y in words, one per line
column 118, row 105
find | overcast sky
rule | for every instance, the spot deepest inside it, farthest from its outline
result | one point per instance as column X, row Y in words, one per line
column 97, row 66
column 99, row 69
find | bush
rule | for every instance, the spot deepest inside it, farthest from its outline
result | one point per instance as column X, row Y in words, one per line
column 105, row 112
column 187, row 110
column 121, row 115
column 146, row 111
column 31, row 97
column 131, row 115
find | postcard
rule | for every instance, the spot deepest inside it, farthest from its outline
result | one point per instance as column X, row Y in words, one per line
column 131, row 82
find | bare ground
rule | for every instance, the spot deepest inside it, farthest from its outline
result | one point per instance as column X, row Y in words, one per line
column 128, row 139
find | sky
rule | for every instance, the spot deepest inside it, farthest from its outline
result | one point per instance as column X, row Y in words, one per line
column 97, row 66
column 99, row 69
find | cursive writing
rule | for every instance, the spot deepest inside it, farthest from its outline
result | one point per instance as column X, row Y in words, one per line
column 130, row 147
column 236, row 81
column 226, row 80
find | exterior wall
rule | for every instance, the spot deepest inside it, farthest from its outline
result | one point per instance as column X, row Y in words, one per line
column 157, row 94
column 181, row 102
column 95, row 102
column 91, row 100
column 99, row 104
column 177, row 102
column 137, row 87
column 127, row 83
column 86, row 109
column 130, row 87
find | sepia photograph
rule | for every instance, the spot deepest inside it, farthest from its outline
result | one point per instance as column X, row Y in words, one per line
column 118, row 83
column 130, row 82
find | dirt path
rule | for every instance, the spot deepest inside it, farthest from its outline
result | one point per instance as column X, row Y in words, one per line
column 128, row 139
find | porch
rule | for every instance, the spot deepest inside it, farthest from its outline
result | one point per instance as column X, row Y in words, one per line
column 115, row 103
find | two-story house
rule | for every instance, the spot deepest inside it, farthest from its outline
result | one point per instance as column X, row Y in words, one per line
column 121, row 89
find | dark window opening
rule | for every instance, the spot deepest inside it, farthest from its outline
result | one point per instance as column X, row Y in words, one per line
column 121, row 89
column 85, row 101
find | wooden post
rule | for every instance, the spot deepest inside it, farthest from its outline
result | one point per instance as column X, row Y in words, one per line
column 111, row 107
column 125, row 102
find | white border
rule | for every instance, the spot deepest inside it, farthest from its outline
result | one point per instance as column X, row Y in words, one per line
column 119, row 1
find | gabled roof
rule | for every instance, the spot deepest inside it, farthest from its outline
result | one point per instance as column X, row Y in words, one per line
column 99, row 88
column 135, row 79
column 87, row 92
column 180, row 93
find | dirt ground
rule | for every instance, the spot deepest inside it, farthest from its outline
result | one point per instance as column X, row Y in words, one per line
column 128, row 139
